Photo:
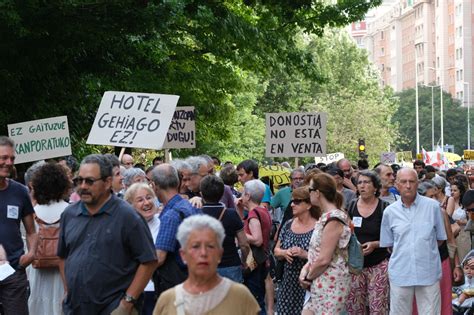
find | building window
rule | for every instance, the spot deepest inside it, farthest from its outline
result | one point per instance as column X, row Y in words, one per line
column 381, row 35
column 382, row 51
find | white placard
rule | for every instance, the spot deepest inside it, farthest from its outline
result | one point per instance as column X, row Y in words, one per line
column 182, row 132
column 388, row 157
column 134, row 120
column 329, row 158
column 40, row 139
column 295, row 134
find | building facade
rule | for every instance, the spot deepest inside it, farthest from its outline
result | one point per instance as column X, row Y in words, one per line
column 429, row 42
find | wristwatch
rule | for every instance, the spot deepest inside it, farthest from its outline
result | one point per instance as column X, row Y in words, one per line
column 129, row 299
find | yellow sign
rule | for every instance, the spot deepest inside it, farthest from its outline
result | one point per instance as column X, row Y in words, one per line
column 278, row 174
column 469, row 154
column 419, row 156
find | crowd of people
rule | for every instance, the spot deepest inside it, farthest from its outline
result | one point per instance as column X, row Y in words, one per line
column 195, row 236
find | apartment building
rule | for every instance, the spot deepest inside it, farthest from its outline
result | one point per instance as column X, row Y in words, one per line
column 425, row 41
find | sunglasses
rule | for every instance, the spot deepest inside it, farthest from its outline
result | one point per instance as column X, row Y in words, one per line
column 88, row 180
column 298, row 201
column 310, row 189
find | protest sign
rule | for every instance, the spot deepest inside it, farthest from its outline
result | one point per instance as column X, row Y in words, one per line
column 388, row 157
column 329, row 158
column 295, row 134
column 182, row 132
column 40, row 139
column 404, row 156
column 277, row 174
column 134, row 120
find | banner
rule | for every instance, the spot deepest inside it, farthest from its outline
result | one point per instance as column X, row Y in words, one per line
column 40, row 139
column 182, row 132
column 329, row 158
column 134, row 120
column 295, row 134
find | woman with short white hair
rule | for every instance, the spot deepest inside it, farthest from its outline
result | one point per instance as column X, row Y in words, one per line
column 142, row 198
column 204, row 291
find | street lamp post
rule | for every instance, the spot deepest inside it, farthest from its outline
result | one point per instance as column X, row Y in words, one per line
column 441, row 104
column 432, row 115
column 468, row 115
column 416, row 105
column 432, row 119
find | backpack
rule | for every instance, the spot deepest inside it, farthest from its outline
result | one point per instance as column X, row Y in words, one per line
column 47, row 245
column 355, row 255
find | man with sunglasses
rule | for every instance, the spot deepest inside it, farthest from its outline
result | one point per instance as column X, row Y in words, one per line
column 15, row 207
column 107, row 251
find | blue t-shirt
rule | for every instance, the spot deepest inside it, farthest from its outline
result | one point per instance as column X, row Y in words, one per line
column 15, row 204
column 267, row 196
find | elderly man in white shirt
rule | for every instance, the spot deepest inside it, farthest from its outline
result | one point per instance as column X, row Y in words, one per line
column 413, row 226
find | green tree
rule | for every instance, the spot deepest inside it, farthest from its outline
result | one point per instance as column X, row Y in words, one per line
column 58, row 57
column 345, row 87
column 455, row 120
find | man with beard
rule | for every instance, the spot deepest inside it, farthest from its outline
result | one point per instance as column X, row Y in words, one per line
column 387, row 178
column 349, row 181
column 15, row 207
column 106, row 249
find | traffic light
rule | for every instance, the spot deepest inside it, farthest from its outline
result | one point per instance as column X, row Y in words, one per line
column 361, row 148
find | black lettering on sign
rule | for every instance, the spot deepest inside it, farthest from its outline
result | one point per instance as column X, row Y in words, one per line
column 181, row 136
column 275, row 134
column 304, row 133
column 307, row 148
column 276, row 148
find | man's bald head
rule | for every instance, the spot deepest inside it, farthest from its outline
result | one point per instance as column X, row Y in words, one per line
column 127, row 161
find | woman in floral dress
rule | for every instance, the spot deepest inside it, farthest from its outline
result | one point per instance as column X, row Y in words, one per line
column 326, row 274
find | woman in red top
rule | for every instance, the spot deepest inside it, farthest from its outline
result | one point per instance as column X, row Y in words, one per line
column 257, row 226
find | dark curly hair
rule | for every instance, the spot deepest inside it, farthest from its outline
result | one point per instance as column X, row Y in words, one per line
column 50, row 183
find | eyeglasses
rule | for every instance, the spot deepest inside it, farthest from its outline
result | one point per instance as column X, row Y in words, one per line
column 310, row 189
column 297, row 178
column 89, row 180
column 298, row 201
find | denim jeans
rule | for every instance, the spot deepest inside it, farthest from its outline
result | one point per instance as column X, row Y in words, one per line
column 234, row 273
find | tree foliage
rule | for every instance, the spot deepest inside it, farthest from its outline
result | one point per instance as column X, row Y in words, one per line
column 58, row 57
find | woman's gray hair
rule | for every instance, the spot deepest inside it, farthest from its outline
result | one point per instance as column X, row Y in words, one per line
column 132, row 190
column 440, row 182
column 255, row 188
column 200, row 222
column 130, row 174
column 425, row 186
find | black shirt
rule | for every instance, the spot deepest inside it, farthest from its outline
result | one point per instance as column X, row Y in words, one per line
column 232, row 225
column 370, row 231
